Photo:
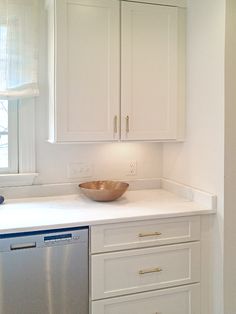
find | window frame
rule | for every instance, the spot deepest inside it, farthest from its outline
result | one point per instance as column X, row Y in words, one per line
column 24, row 146
column 12, row 138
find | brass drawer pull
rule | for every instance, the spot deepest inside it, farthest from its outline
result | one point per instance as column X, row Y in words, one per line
column 150, row 270
column 151, row 234
column 115, row 124
column 127, row 124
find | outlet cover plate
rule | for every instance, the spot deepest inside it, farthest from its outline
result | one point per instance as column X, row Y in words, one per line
column 80, row 170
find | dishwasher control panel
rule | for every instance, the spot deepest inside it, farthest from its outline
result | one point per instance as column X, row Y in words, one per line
column 60, row 238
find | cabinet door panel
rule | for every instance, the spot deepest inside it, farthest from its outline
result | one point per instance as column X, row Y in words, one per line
column 181, row 300
column 129, row 235
column 133, row 271
column 87, row 69
column 149, row 71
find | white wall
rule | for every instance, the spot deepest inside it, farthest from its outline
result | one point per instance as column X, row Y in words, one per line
column 230, row 161
column 109, row 160
column 199, row 162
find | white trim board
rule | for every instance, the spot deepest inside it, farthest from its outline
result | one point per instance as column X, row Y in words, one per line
column 174, row 3
column 16, row 180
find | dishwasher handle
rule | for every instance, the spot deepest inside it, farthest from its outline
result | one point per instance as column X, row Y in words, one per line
column 21, row 246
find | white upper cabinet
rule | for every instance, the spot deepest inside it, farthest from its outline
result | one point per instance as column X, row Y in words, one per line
column 115, row 74
column 149, row 69
column 86, row 70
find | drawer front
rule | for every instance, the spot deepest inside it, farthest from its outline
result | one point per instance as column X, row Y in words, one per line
column 115, row 237
column 181, row 300
column 120, row 273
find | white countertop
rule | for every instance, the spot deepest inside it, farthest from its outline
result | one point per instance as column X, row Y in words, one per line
column 75, row 210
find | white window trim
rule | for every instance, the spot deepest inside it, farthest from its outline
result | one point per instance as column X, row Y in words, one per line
column 12, row 139
column 25, row 146
column 19, row 179
column 26, row 135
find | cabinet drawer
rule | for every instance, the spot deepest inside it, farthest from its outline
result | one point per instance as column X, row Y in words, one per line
column 132, row 271
column 181, row 300
column 114, row 237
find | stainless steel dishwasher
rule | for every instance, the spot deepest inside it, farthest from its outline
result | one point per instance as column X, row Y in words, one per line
column 44, row 272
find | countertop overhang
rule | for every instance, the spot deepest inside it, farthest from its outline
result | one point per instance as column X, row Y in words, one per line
column 44, row 213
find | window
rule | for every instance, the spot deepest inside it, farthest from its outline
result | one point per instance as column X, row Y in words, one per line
column 18, row 86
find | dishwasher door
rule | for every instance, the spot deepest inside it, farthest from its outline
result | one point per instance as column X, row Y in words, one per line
column 44, row 273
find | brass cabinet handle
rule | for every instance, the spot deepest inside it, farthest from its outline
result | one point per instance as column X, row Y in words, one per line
column 150, row 270
column 150, row 234
column 127, row 124
column 115, row 124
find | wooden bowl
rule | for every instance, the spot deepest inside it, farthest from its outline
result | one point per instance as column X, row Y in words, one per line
column 103, row 191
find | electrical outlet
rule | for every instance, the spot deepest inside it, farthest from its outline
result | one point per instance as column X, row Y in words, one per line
column 79, row 170
column 132, row 168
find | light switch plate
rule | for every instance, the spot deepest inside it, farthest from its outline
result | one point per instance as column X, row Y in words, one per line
column 80, row 170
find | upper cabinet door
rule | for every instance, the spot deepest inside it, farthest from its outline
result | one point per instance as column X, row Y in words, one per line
column 149, row 72
column 87, row 70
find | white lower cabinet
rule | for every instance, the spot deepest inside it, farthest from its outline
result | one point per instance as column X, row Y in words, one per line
column 138, row 234
column 181, row 300
column 125, row 272
column 157, row 277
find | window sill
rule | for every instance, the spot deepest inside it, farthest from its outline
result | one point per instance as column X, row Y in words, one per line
column 20, row 179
